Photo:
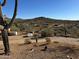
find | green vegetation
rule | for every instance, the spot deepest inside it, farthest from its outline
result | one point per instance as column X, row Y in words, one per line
column 48, row 27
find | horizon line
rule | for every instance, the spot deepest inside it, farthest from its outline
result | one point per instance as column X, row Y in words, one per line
column 46, row 17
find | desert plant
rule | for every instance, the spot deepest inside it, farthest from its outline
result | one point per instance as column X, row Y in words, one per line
column 14, row 28
column 46, row 32
column 36, row 37
column 48, row 40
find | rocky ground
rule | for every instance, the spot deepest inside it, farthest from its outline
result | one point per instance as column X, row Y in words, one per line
column 59, row 48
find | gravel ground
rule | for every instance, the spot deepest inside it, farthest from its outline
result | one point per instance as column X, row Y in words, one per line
column 66, row 48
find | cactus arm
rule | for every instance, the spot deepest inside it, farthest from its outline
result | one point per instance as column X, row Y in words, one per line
column 15, row 13
column 4, row 2
column 1, row 16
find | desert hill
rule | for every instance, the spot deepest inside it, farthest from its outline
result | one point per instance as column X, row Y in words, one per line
column 59, row 27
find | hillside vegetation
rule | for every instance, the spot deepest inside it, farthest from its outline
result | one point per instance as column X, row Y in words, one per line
column 50, row 26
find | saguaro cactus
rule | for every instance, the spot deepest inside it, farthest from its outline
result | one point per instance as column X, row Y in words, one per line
column 6, row 26
column 4, row 2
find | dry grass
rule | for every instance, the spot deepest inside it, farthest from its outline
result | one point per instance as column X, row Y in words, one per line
column 27, row 41
column 55, row 50
column 55, row 42
column 68, row 49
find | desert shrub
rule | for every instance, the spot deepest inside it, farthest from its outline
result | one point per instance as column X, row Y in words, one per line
column 46, row 32
column 27, row 41
column 60, row 31
column 36, row 37
column 43, row 34
column 48, row 40
column 14, row 28
column 74, row 33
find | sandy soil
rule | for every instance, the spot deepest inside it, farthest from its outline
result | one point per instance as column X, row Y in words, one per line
column 65, row 48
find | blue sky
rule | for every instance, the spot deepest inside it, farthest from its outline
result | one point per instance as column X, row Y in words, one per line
column 58, row 9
